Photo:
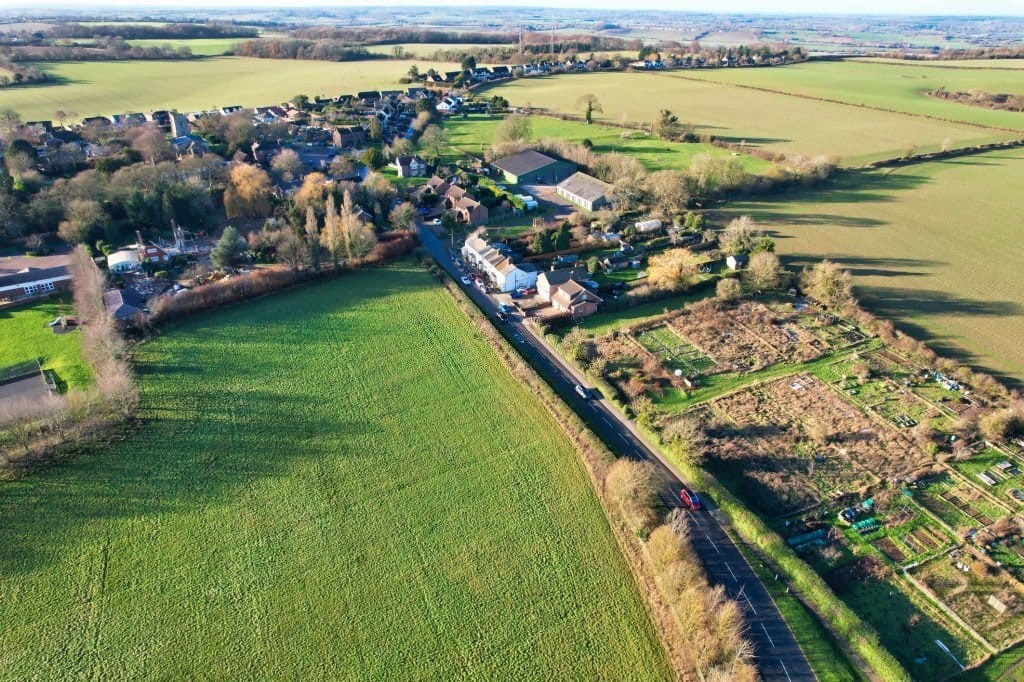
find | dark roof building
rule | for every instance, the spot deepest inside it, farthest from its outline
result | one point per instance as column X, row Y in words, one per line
column 530, row 166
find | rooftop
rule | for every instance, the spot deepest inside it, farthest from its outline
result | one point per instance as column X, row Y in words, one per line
column 524, row 162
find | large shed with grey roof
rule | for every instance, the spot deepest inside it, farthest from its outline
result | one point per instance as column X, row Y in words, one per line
column 585, row 191
column 530, row 166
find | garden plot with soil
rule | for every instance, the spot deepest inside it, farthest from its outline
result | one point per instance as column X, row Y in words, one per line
column 988, row 599
column 959, row 504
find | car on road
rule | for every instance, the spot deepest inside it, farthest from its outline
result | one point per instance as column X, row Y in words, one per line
column 584, row 392
column 436, row 221
column 506, row 308
column 502, row 317
column 690, row 499
column 465, row 280
column 518, row 338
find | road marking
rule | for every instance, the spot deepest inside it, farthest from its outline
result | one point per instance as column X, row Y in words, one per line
column 713, row 543
column 608, row 422
column 695, row 519
column 729, row 568
column 767, row 635
column 783, row 664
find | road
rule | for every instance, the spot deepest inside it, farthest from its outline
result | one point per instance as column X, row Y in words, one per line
column 779, row 657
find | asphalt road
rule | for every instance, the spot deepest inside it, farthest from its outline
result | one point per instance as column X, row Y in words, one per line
column 778, row 655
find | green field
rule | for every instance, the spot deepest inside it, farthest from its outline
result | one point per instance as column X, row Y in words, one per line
column 26, row 337
column 933, row 246
column 771, row 121
column 476, row 133
column 337, row 482
column 897, row 87
column 95, row 88
column 948, row 63
column 199, row 46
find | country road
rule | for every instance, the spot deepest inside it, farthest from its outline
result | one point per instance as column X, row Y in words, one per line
column 779, row 657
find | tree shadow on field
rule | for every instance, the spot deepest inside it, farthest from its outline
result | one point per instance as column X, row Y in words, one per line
column 211, row 424
column 869, row 267
column 740, row 139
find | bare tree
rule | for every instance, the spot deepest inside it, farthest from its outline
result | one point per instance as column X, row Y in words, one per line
column 590, row 105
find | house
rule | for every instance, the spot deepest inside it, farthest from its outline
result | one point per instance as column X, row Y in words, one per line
column 499, row 268
column 436, row 186
column 189, row 145
column 737, row 261
column 227, row 111
column 125, row 260
column 417, row 93
column 161, row 117
column 572, row 298
column 449, row 105
column 500, row 72
column 585, row 191
column 350, row 136
column 530, row 166
column 410, row 166
column 368, row 96
column 92, row 121
column 179, row 125
column 270, row 114
column 33, row 283
column 549, row 281
column 124, row 305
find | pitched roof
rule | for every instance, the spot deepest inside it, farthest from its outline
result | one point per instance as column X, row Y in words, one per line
column 557, row 277
column 30, row 275
column 571, row 293
column 122, row 304
column 584, row 186
column 524, row 162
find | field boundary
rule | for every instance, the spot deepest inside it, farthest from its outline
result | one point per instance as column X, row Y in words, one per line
column 848, row 104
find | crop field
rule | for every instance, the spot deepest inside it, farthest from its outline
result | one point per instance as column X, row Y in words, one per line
column 95, row 88
column 930, row 247
column 200, row 46
column 997, row 64
column 898, row 87
column 339, row 481
column 476, row 133
column 766, row 120
column 26, row 337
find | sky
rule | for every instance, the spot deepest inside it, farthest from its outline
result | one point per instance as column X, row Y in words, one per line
column 932, row 7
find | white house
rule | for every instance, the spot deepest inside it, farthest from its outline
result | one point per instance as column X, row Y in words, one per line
column 126, row 260
column 503, row 273
column 737, row 261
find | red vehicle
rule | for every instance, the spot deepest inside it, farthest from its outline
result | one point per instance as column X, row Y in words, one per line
column 690, row 499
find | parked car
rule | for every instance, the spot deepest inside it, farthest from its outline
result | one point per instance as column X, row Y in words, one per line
column 690, row 499
column 506, row 308
column 502, row 317
column 583, row 391
column 436, row 221
column 465, row 280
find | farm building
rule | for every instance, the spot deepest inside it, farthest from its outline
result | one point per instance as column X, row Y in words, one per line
column 126, row 260
column 530, row 166
column 33, row 283
column 499, row 268
column 585, row 191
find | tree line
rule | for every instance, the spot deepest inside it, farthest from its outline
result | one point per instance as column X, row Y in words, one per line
column 171, row 31
column 294, row 48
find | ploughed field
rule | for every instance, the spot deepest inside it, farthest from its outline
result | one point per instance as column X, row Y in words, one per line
column 100, row 88
column 933, row 246
column 339, row 481
column 765, row 120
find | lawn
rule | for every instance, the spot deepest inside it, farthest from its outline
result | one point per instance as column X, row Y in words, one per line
column 26, row 337
column 948, row 63
column 94, row 88
column 200, row 46
column 341, row 481
column 475, row 133
column 931, row 246
column 898, row 87
column 767, row 120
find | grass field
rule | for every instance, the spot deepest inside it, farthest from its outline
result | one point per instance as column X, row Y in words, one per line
column 337, row 482
column 933, row 246
column 92, row 88
column 771, row 121
column 947, row 63
column 26, row 337
column 476, row 133
column 199, row 46
column 898, row 87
